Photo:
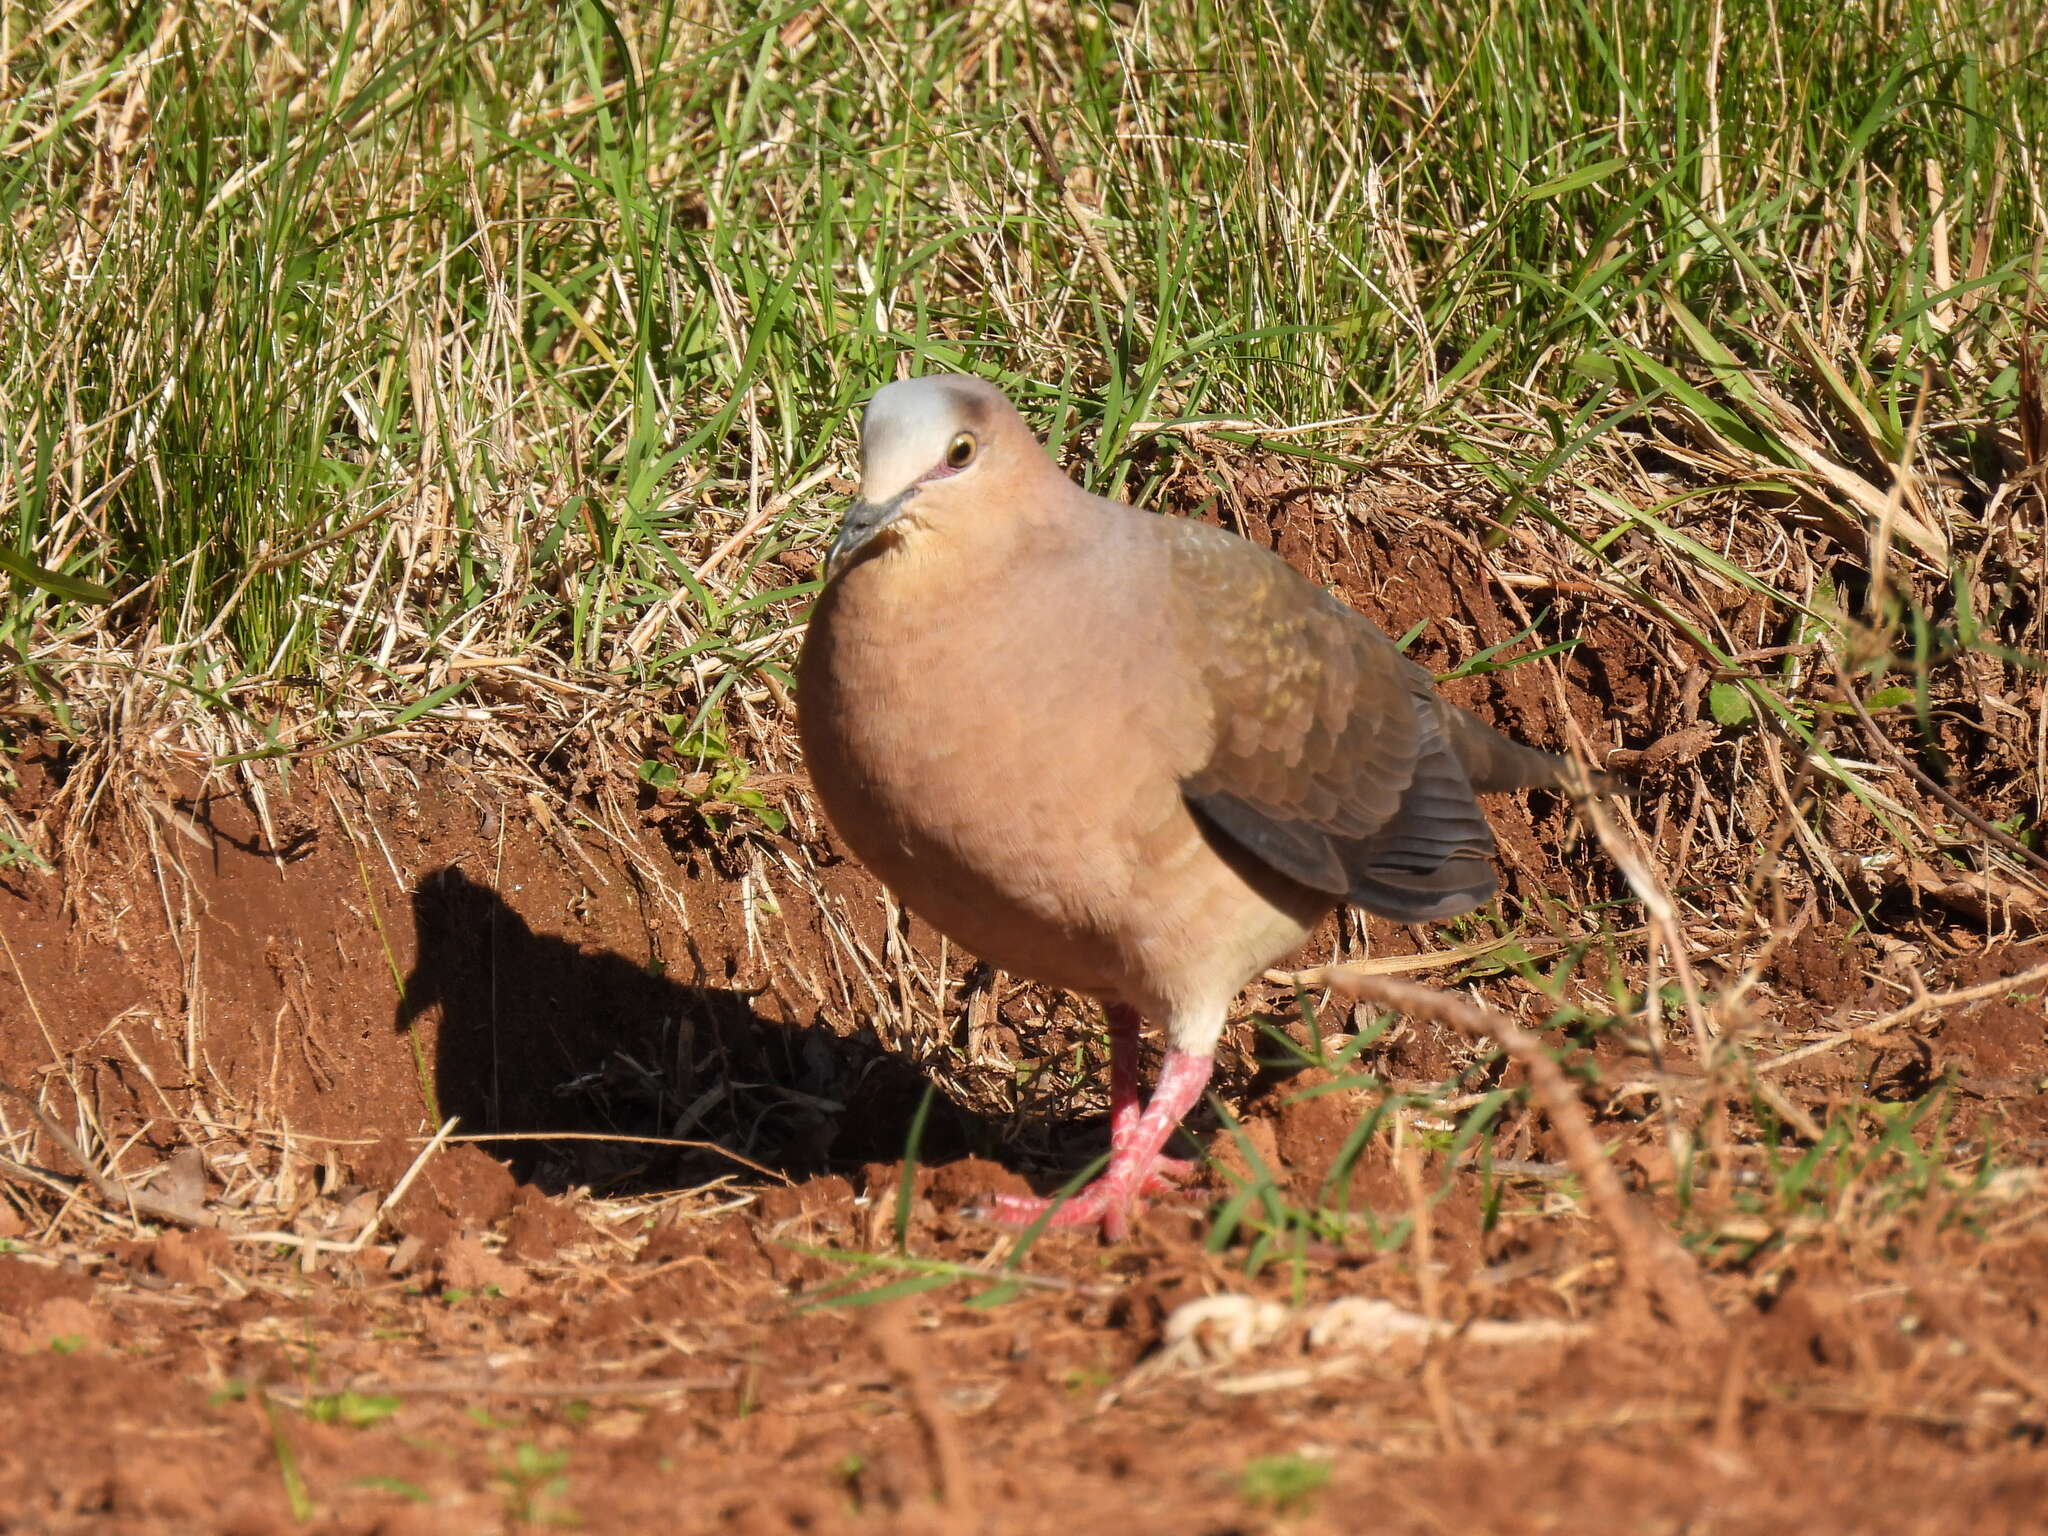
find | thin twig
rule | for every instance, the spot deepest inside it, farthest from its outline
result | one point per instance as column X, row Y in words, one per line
column 1438, row 959
column 1084, row 219
column 630, row 1141
column 1670, row 938
column 1436, row 1388
column 484, row 1386
column 1926, row 1003
column 889, row 1328
column 398, row 1190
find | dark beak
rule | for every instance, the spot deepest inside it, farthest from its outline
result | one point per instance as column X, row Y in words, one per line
column 864, row 519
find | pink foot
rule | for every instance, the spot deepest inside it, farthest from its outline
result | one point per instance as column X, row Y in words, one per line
column 1137, row 1165
column 1094, row 1202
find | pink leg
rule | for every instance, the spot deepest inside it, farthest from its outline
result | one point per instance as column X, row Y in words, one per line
column 1134, row 1156
column 1124, row 1103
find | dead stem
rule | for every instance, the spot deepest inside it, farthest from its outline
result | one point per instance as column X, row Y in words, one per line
column 1996, row 836
column 889, row 1326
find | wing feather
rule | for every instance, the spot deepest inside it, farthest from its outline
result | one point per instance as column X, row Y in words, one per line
column 1333, row 760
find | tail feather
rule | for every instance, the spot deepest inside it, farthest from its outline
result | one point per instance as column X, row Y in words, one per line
column 1492, row 762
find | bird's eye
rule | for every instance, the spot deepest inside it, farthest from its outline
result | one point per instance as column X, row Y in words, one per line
column 960, row 452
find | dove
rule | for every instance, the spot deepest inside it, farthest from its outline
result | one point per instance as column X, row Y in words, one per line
column 1130, row 755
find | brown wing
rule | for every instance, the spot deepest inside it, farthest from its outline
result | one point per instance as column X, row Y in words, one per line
column 1334, row 761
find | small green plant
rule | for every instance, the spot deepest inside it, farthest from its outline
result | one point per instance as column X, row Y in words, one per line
column 906, row 1184
column 296, row 1494
column 1085, row 1380
column 717, row 785
column 1282, row 1484
column 16, row 853
column 535, row 1482
column 1485, row 663
column 848, row 1471
column 998, row 1284
column 358, row 1410
column 1730, row 704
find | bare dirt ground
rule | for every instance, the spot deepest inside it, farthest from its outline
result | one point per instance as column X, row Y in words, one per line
column 255, row 1014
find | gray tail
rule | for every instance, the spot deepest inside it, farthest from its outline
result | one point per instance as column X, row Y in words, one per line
column 1493, row 763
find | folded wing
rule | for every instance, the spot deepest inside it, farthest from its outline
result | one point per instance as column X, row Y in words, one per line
column 1334, row 762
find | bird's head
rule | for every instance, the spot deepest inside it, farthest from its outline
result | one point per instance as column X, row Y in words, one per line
column 929, row 449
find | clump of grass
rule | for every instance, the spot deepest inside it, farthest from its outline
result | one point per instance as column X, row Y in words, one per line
column 348, row 351
column 1878, row 1171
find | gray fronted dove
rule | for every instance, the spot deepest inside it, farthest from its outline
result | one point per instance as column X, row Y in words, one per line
column 1129, row 755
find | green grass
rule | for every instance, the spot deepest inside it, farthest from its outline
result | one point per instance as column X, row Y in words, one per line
column 1883, row 1160
column 360, row 341
column 358, row 1410
column 1879, row 1170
